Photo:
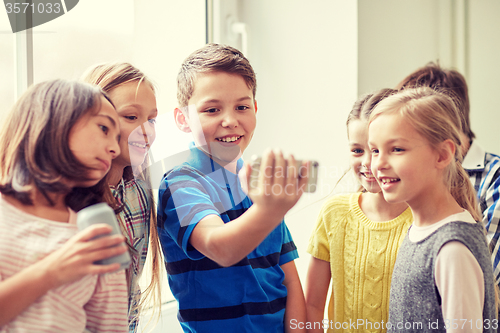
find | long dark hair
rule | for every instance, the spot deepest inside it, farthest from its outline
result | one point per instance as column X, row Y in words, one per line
column 34, row 150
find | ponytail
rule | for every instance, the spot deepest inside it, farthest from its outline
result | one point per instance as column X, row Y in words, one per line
column 462, row 190
column 436, row 117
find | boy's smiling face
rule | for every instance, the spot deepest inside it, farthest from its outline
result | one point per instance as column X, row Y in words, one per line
column 221, row 115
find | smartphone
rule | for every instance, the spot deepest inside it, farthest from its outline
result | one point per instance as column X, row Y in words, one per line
column 313, row 173
column 102, row 213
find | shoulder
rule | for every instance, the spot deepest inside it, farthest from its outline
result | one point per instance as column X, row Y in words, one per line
column 452, row 250
column 338, row 210
column 136, row 195
column 185, row 186
column 465, row 242
column 472, row 235
column 407, row 215
column 339, row 204
column 183, row 176
column 492, row 163
column 184, row 172
column 8, row 211
column 460, row 228
column 492, row 158
column 135, row 185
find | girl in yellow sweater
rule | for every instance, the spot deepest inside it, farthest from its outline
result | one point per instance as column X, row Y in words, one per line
column 354, row 243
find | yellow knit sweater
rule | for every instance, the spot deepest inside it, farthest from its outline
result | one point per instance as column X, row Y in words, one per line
column 362, row 254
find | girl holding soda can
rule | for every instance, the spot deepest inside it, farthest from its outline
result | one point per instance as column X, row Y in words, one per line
column 56, row 148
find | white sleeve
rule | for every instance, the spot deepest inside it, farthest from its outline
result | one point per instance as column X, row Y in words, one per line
column 460, row 283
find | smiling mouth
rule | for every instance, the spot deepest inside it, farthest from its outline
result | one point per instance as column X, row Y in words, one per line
column 389, row 180
column 368, row 175
column 140, row 145
column 229, row 138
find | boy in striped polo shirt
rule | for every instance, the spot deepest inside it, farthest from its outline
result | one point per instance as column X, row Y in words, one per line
column 229, row 258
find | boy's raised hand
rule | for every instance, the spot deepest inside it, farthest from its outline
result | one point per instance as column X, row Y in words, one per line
column 279, row 186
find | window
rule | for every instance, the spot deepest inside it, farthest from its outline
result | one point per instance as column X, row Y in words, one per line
column 7, row 66
column 155, row 36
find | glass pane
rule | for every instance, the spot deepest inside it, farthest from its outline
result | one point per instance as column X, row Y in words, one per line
column 92, row 32
column 153, row 35
column 7, row 65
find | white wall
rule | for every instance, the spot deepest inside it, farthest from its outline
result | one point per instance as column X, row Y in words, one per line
column 484, row 72
column 7, row 65
column 396, row 37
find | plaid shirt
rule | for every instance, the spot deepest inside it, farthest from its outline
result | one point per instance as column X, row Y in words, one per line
column 484, row 173
column 134, row 224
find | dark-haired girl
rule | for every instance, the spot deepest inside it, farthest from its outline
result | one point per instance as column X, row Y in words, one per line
column 56, row 148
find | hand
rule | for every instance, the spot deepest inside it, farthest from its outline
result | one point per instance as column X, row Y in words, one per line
column 279, row 186
column 77, row 256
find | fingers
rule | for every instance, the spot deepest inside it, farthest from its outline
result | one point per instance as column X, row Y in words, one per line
column 103, row 248
column 93, row 231
column 108, row 252
column 77, row 257
column 304, row 174
column 244, row 176
column 103, row 269
column 281, row 180
column 267, row 172
column 292, row 175
column 105, row 242
column 95, row 237
column 280, row 173
column 278, row 176
column 91, row 249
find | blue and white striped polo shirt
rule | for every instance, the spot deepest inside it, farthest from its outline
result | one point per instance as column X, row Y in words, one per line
column 246, row 297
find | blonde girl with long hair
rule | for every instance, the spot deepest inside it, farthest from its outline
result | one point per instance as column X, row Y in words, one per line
column 134, row 97
column 355, row 241
column 443, row 277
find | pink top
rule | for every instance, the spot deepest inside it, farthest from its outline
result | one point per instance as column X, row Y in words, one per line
column 458, row 277
column 94, row 303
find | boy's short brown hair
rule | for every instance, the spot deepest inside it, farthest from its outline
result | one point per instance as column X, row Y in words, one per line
column 447, row 81
column 212, row 58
